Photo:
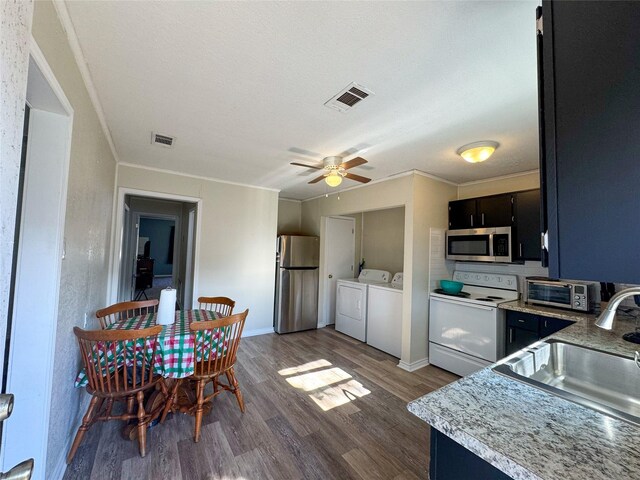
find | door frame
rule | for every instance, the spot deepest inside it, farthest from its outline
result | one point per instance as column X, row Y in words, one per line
column 117, row 229
column 26, row 432
column 189, row 260
column 323, row 296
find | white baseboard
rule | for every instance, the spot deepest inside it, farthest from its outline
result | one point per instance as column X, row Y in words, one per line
column 257, row 331
column 413, row 366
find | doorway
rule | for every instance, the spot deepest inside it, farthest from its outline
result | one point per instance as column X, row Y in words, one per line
column 337, row 254
column 158, row 248
column 38, row 262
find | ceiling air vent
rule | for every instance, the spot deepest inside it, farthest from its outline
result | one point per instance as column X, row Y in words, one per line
column 162, row 140
column 348, row 97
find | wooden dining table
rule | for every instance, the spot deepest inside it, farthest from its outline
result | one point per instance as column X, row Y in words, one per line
column 174, row 355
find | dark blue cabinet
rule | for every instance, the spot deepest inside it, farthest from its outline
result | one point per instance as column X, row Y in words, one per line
column 591, row 119
column 451, row 461
column 523, row 329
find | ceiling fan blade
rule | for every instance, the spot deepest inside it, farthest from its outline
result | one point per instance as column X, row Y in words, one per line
column 316, row 180
column 357, row 178
column 354, row 163
column 307, row 166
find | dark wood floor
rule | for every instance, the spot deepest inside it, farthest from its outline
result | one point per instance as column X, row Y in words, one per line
column 343, row 418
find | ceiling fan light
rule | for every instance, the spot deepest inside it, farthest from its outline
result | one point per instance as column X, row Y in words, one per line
column 333, row 179
column 478, row 151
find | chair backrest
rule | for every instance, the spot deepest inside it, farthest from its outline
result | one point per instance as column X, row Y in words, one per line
column 222, row 305
column 121, row 311
column 217, row 342
column 118, row 361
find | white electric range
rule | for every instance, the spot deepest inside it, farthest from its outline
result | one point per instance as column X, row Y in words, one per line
column 467, row 331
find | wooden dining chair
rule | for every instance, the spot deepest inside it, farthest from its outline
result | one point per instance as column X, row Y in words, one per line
column 215, row 348
column 124, row 310
column 119, row 368
column 222, row 305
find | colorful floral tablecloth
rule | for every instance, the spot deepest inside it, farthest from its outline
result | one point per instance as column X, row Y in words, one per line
column 175, row 350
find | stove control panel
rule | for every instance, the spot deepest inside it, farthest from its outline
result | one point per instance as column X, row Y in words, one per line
column 492, row 280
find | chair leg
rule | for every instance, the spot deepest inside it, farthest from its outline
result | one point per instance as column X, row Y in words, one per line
column 130, row 403
column 231, row 377
column 172, row 398
column 142, row 425
column 86, row 423
column 199, row 408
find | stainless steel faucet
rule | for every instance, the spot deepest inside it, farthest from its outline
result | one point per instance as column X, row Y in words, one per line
column 605, row 320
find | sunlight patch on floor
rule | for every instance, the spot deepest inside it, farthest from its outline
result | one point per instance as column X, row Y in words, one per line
column 321, row 384
column 319, row 379
column 305, row 368
column 337, row 395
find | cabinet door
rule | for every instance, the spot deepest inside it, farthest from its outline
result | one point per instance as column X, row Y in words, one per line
column 549, row 326
column 527, row 225
column 518, row 338
column 592, row 115
column 462, row 214
column 495, row 211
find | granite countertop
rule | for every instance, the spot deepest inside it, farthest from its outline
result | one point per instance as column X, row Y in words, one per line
column 530, row 434
column 522, row 306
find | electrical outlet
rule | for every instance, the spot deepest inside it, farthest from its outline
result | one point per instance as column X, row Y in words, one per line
column 86, row 317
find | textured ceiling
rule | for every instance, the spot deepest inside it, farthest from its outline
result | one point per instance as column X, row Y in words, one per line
column 241, row 85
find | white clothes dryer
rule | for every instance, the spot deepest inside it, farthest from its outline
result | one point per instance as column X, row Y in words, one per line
column 351, row 302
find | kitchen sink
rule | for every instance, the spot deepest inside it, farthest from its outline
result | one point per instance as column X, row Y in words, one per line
column 602, row 381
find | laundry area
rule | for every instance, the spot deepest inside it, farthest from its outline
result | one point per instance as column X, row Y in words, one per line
column 368, row 305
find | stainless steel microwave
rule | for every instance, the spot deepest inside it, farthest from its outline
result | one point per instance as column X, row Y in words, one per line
column 480, row 245
column 557, row 293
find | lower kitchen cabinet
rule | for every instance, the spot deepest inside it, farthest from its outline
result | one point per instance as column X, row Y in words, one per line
column 451, row 461
column 525, row 328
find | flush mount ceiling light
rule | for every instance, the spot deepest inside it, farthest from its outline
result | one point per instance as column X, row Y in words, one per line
column 478, row 151
column 334, row 178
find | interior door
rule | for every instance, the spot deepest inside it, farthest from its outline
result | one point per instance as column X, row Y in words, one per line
column 338, row 256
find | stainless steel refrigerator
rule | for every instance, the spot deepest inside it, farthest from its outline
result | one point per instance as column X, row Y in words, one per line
column 296, row 300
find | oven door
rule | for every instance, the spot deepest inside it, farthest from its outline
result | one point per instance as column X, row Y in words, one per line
column 470, row 245
column 473, row 329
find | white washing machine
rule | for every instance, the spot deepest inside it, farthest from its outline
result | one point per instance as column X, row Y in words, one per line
column 384, row 316
column 351, row 302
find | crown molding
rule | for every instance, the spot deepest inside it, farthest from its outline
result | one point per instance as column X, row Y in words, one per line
column 67, row 25
column 502, row 177
column 199, row 177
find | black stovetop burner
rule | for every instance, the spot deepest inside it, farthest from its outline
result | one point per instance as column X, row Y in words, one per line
column 461, row 294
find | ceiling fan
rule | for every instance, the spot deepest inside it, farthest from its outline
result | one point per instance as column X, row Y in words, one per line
column 335, row 169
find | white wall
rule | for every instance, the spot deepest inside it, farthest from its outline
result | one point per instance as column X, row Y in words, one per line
column 383, row 239
column 429, row 210
column 289, row 216
column 237, row 237
column 87, row 231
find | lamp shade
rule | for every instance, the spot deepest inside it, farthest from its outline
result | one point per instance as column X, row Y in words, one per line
column 333, row 179
column 478, row 151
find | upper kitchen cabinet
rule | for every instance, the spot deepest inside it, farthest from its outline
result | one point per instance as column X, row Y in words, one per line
column 483, row 212
column 527, row 224
column 590, row 71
